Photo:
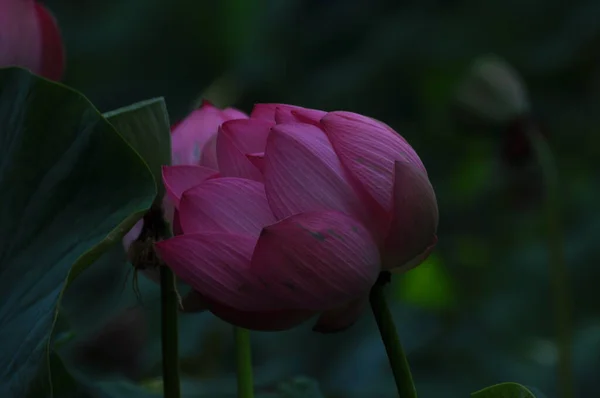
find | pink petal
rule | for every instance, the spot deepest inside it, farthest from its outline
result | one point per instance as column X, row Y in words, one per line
column 339, row 319
column 248, row 135
column 236, row 138
column 302, row 173
column 218, row 266
column 232, row 114
column 368, row 149
column 192, row 134
column 233, row 162
column 52, row 63
column 317, row 261
column 258, row 160
column 416, row 260
column 310, row 116
column 227, row 204
column 176, row 225
column 415, row 218
column 264, row 112
column 254, row 320
column 178, row 179
column 208, row 157
column 285, row 113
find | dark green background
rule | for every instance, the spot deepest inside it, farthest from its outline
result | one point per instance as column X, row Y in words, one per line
column 480, row 312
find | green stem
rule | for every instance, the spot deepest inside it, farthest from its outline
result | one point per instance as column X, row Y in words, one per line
column 244, row 363
column 389, row 335
column 557, row 263
column 170, row 349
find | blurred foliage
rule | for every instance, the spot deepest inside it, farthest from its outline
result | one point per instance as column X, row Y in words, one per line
column 479, row 312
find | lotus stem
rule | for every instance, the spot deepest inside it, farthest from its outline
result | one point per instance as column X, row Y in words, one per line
column 169, row 335
column 389, row 335
column 244, row 363
column 557, row 263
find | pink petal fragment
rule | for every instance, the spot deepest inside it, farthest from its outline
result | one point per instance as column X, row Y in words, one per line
column 317, row 261
column 218, row 266
column 285, row 112
column 339, row 319
column 52, row 63
column 258, row 160
column 208, row 157
column 191, row 135
column 368, row 148
column 178, row 179
column 232, row 114
column 232, row 161
column 264, row 112
column 248, row 135
column 310, row 116
column 415, row 218
column 284, row 115
column 302, row 173
column 226, row 204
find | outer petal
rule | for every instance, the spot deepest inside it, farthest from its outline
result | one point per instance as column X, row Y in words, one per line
column 282, row 113
column 341, row 318
column 232, row 205
column 235, row 139
column 310, row 116
column 52, row 63
column 253, row 320
column 178, row 179
column 218, row 266
column 415, row 218
column 208, row 157
column 302, row 173
column 248, row 135
column 317, row 261
column 368, row 148
column 258, row 160
column 264, row 111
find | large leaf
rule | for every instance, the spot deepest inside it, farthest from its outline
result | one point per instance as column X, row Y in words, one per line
column 145, row 125
column 504, row 390
column 70, row 187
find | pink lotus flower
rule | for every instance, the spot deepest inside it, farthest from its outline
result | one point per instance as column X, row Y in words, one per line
column 29, row 37
column 298, row 214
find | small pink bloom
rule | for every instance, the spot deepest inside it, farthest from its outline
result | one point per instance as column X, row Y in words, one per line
column 308, row 207
column 30, row 38
column 193, row 140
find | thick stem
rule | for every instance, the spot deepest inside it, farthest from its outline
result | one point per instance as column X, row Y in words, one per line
column 557, row 263
column 389, row 335
column 170, row 346
column 244, row 363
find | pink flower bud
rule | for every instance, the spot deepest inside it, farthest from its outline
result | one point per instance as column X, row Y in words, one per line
column 30, row 38
column 307, row 208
